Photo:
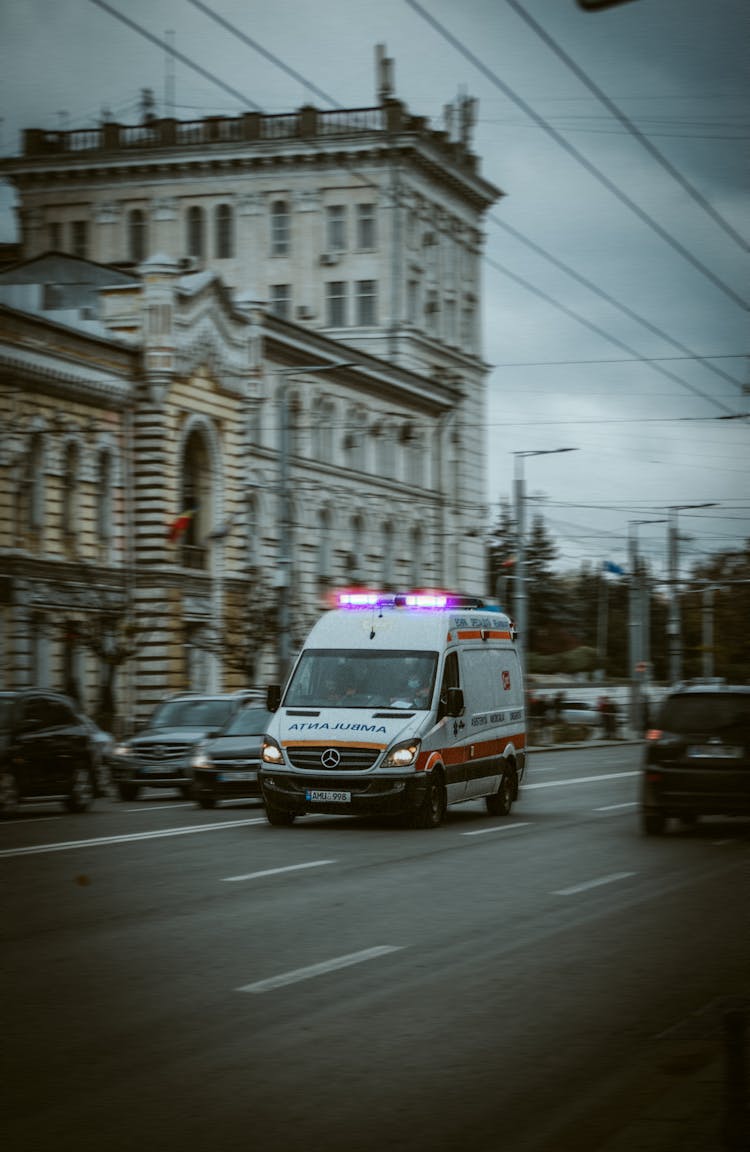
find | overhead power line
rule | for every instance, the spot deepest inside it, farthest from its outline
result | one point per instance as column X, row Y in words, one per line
column 628, row 124
column 591, row 168
column 170, row 48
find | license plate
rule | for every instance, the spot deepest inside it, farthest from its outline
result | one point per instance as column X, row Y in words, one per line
column 328, row 797
column 714, row 752
column 230, row 777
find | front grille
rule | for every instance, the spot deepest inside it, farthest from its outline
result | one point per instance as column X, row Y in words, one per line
column 160, row 753
column 231, row 765
column 352, row 759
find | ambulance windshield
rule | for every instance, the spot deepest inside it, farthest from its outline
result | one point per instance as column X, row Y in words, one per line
column 357, row 679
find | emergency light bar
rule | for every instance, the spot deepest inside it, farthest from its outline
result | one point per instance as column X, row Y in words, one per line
column 422, row 599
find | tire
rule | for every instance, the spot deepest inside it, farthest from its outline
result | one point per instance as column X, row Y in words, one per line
column 206, row 800
column 279, row 817
column 82, row 789
column 127, row 791
column 654, row 821
column 431, row 812
column 9, row 795
column 500, row 802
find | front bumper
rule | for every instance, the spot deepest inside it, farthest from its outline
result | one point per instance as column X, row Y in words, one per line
column 372, row 795
column 129, row 770
column 226, row 783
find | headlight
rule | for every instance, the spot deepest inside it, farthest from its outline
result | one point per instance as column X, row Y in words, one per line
column 402, row 755
column 271, row 753
column 121, row 750
column 201, row 758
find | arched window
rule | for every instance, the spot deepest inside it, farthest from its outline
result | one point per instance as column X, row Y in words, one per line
column 104, row 525
column 137, row 236
column 223, row 232
column 32, row 485
column 195, row 232
column 70, row 518
column 195, row 501
column 354, row 440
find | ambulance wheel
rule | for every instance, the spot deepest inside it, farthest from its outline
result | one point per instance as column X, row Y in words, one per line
column 499, row 804
column 279, row 817
column 432, row 810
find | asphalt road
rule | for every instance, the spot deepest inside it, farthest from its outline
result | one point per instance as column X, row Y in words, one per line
column 181, row 979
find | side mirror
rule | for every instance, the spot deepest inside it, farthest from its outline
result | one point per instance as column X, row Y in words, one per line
column 273, row 697
column 454, row 705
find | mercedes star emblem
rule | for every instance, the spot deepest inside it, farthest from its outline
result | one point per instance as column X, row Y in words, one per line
column 330, row 758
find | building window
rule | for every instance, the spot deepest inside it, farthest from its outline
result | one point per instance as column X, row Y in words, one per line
column 33, row 483
column 79, row 238
column 366, row 303
column 336, row 228
column 412, row 302
column 104, row 524
column 418, row 576
column 354, row 439
column 431, row 308
column 336, row 303
column 281, row 300
column 223, row 232
column 251, row 516
column 137, row 239
column 366, row 234
column 55, row 236
column 195, row 237
column 195, row 501
column 450, row 321
column 324, row 564
column 388, row 554
column 279, row 228
column 70, row 519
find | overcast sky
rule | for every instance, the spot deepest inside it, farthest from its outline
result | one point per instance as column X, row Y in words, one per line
column 614, row 278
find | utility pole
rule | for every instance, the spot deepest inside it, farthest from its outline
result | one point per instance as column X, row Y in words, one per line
column 674, row 622
column 521, row 595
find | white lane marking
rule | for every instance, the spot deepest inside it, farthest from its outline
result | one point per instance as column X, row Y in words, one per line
column 276, row 871
column 579, row 780
column 130, row 837
column 166, row 807
column 593, row 884
column 615, row 807
column 499, row 828
column 332, row 965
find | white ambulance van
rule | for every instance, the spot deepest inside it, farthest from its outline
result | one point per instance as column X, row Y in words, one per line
column 398, row 704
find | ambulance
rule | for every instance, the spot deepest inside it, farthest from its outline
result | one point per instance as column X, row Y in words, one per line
column 398, row 704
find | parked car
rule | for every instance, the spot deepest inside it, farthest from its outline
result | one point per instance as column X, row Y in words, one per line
column 227, row 767
column 46, row 752
column 580, row 713
column 160, row 755
column 697, row 756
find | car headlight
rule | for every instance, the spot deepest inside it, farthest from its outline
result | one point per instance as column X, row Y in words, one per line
column 201, row 758
column 403, row 755
column 271, row 753
column 122, row 750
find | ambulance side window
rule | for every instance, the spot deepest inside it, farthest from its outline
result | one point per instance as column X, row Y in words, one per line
column 450, row 680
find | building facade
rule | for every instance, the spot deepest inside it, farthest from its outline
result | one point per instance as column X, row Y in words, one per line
column 258, row 335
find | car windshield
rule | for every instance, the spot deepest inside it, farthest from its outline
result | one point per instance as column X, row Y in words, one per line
column 248, row 722
column 357, row 679
column 192, row 714
column 705, row 712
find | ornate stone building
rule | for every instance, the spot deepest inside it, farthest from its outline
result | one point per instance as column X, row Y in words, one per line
column 269, row 323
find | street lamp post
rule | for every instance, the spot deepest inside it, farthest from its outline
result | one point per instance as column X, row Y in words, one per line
column 638, row 635
column 284, row 574
column 521, row 596
column 674, row 623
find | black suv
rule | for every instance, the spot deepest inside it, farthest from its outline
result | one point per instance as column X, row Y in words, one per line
column 46, row 752
column 160, row 755
column 697, row 757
